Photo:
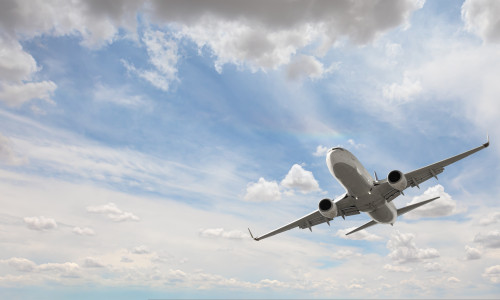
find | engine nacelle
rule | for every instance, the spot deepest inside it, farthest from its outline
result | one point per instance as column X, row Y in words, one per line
column 397, row 180
column 328, row 208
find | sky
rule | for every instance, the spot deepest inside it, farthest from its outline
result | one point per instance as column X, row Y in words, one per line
column 140, row 139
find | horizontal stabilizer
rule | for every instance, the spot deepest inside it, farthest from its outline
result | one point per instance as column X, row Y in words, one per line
column 369, row 224
column 408, row 208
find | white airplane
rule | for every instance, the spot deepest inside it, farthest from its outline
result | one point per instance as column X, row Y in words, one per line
column 364, row 194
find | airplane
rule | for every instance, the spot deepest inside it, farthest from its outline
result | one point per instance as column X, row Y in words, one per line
column 364, row 194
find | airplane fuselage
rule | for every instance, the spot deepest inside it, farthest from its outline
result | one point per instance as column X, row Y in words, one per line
column 359, row 185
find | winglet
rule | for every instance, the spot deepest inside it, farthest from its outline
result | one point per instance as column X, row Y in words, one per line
column 252, row 235
column 487, row 141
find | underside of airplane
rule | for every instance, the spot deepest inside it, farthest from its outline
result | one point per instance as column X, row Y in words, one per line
column 366, row 194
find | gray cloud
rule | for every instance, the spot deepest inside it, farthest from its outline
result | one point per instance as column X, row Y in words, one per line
column 483, row 18
column 472, row 253
column 488, row 240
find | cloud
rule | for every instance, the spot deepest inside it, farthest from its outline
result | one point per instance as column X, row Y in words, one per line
column 482, row 17
column 220, row 232
column 83, row 231
column 472, row 253
column 404, row 250
column 141, row 250
column 489, row 240
column 444, row 206
column 263, row 191
column 7, row 154
column 90, row 262
column 40, row 223
column 320, row 151
column 307, row 66
column 492, row 218
column 360, row 235
column 432, row 266
column 344, row 254
column 393, row 268
column 267, row 34
column 163, row 56
column 300, row 179
column 403, row 92
column 20, row 264
column 17, row 69
column 113, row 212
column 492, row 274
column 119, row 96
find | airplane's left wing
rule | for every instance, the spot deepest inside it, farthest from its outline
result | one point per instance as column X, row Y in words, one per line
column 416, row 177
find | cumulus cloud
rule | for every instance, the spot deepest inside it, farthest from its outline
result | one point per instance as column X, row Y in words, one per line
column 402, row 92
column 91, row 262
column 300, row 179
column 488, row 240
column 83, row 231
column 360, row 235
column 482, row 17
column 113, row 212
column 344, row 254
column 320, row 151
column 444, row 206
column 392, row 268
column 490, row 219
column 263, row 191
column 267, row 34
column 141, row 250
column 307, row 66
column 220, row 232
column 492, row 274
column 40, row 223
column 20, row 264
column 403, row 249
column 472, row 253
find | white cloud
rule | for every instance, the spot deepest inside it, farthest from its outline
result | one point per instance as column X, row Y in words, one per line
column 17, row 94
column 355, row 145
column 359, row 235
column 444, row 206
column 120, row 96
column 472, row 253
column 492, row 218
column 266, row 35
column 489, row 240
column 20, row 264
column 483, row 18
column 432, row 267
column 403, row 92
column 220, row 232
column 403, row 249
column 393, row 268
column 453, row 279
column 163, row 55
column 263, row 191
column 344, row 254
column 83, row 231
column 113, row 212
column 492, row 274
column 7, row 153
column 300, row 179
column 320, row 151
column 40, row 223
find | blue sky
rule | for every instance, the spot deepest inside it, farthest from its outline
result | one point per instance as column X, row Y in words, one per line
column 139, row 140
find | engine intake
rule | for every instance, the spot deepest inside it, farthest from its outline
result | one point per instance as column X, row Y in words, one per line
column 397, row 180
column 328, row 208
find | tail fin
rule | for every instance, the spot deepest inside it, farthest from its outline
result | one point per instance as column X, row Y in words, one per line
column 404, row 210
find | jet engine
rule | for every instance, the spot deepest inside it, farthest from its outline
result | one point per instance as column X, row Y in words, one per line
column 328, row 208
column 397, row 180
